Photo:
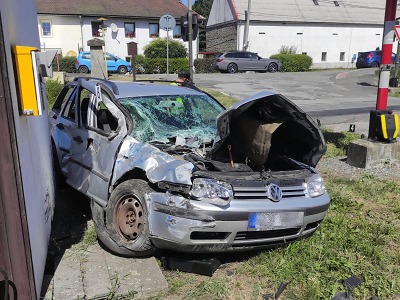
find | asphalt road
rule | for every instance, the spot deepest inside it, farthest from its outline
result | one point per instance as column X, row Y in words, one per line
column 336, row 98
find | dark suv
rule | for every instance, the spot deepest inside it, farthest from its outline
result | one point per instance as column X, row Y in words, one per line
column 233, row 62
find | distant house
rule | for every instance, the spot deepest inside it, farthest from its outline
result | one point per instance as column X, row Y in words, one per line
column 331, row 32
column 68, row 25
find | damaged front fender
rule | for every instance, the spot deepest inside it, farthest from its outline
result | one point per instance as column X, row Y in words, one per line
column 157, row 165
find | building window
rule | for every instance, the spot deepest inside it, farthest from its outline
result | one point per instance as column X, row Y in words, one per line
column 129, row 29
column 342, row 54
column 96, row 25
column 153, row 30
column 46, row 28
column 177, row 31
column 323, row 56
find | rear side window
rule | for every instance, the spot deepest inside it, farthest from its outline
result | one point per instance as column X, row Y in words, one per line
column 86, row 56
column 62, row 98
column 229, row 55
column 241, row 55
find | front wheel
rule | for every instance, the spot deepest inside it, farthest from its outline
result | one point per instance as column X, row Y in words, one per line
column 272, row 67
column 122, row 70
column 232, row 68
column 83, row 69
column 126, row 231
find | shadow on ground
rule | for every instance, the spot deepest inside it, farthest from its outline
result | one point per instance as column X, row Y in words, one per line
column 71, row 216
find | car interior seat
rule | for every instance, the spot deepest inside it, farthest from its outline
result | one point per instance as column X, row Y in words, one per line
column 106, row 121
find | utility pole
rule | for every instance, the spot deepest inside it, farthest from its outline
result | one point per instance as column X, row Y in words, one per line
column 190, row 40
column 246, row 30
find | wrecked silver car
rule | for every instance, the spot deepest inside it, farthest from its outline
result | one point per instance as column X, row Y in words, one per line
column 167, row 166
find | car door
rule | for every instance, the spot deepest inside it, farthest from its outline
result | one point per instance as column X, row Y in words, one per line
column 106, row 129
column 66, row 132
column 241, row 60
column 254, row 63
column 111, row 62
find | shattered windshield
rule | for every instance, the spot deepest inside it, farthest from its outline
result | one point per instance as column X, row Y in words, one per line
column 183, row 118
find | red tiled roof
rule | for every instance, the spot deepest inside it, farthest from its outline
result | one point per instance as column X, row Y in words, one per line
column 112, row 8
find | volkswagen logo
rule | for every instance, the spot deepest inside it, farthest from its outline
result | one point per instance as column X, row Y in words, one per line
column 274, row 192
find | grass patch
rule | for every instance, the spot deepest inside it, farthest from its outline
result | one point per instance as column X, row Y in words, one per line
column 225, row 99
column 89, row 238
column 360, row 235
column 337, row 142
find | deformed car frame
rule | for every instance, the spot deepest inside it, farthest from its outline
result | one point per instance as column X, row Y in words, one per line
column 246, row 181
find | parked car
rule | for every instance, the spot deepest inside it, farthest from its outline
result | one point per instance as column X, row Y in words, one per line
column 233, row 62
column 169, row 167
column 371, row 59
column 114, row 63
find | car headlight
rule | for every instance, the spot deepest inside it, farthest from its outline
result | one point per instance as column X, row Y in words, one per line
column 315, row 186
column 215, row 192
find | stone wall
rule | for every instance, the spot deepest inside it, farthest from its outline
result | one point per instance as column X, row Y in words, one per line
column 222, row 38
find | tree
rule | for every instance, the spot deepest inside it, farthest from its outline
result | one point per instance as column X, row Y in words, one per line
column 158, row 49
column 203, row 8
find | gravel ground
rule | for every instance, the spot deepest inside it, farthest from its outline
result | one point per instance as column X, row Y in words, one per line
column 337, row 166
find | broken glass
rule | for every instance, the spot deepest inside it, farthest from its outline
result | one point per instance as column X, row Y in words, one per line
column 188, row 120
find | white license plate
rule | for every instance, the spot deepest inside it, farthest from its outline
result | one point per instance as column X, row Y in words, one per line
column 275, row 220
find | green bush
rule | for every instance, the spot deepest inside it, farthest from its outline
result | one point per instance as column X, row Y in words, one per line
column 294, row 62
column 67, row 64
column 159, row 65
column 53, row 88
column 205, row 65
column 158, row 49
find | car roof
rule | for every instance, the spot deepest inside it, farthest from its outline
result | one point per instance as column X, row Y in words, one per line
column 132, row 89
column 140, row 89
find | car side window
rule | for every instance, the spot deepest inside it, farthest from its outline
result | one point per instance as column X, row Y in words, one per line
column 84, row 99
column 253, row 56
column 241, row 55
column 105, row 120
column 70, row 110
column 62, row 98
column 110, row 57
column 86, row 56
column 229, row 55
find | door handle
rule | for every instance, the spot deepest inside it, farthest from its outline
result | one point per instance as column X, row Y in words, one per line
column 78, row 139
column 60, row 126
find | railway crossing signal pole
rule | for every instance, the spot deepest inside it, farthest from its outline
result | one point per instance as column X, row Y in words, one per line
column 383, row 124
column 387, row 46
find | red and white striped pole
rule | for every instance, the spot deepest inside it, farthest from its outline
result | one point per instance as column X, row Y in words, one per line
column 387, row 46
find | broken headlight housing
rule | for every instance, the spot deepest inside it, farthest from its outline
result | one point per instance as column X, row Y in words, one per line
column 315, row 186
column 215, row 192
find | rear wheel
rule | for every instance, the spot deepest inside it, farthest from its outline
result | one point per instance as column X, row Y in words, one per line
column 232, row 68
column 126, row 231
column 375, row 64
column 122, row 70
column 272, row 67
column 83, row 69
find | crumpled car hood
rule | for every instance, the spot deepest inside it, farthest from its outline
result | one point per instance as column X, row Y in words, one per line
column 266, row 125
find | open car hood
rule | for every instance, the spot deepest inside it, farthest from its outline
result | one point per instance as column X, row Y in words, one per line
column 265, row 129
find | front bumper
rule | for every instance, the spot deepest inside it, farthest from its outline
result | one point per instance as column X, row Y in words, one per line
column 175, row 223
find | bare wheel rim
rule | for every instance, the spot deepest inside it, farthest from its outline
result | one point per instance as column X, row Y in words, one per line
column 129, row 218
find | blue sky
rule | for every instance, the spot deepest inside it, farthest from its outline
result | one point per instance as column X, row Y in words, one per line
column 186, row 2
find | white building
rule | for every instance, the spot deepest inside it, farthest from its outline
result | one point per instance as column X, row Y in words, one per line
column 331, row 32
column 68, row 26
